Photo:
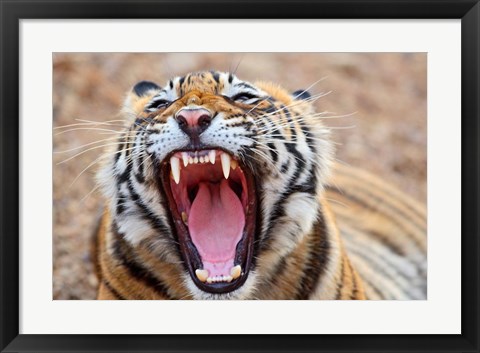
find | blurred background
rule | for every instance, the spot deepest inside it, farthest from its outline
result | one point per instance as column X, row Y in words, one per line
column 383, row 95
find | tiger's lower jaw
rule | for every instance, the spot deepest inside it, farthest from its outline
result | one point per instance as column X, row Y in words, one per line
column 212, row 203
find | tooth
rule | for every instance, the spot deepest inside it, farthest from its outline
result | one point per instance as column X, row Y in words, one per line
column 195, row 160
column 209, row 280
column 211, row 156
column 175, row 164
column 206, row 159
column 184, row 217
column 225, row 158
column 234, row 164
column 185, row 159
column 202, row 275
column 201, row 159
column 229, row 278
column 236, row 271
column 190, row 160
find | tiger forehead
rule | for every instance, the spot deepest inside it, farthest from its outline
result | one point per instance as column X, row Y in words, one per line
column 209, row 101
column 206, row 82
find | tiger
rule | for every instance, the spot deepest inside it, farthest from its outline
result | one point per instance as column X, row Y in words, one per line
column 223, row 189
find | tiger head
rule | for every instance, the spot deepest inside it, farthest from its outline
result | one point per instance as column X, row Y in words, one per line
column 217, row 176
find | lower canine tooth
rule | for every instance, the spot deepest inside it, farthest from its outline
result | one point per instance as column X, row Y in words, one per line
column 234, row 164
column 202, row 275
column 184, row 217
column 236, row 271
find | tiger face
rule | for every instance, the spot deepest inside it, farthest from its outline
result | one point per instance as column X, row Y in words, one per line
column 217, row 177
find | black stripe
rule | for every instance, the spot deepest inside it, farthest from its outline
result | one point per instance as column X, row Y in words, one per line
column 126, row 255
column 147, row 214
column 120, row 204
column 117, row 295
column 139, row 174
column 140, row 177
column 230, row 78
column 182, row 79
column 122, row 178
column 290, row 126
column 279, row 209
column 246, row 85
column 308, row 136
column 354, row 283
column 317, row 261
column 120, row 148
column 180, row 84
column 273, row 152
column 284, row 167
column 342, row 280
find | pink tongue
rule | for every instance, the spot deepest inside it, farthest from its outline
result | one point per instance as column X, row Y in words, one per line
column 216, row 223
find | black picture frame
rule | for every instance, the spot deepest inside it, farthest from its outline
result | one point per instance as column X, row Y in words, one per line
column 12, row 11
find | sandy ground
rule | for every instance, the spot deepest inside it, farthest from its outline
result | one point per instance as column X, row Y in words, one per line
column 382, row 96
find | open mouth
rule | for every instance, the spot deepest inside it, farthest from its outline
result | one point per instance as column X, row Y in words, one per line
column 212, row 200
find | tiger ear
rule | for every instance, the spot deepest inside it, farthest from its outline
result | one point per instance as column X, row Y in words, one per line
column 301, row 94
column 142, row 88
column 140, row 95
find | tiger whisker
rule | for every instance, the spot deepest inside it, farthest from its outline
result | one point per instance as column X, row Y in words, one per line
column 87, row 150
column 91, row 143
column 311, row 86
column 312, row 99
column 90, row 129
column 89, row 123
column 303, row 119
column 90, row 193
column 85, row 169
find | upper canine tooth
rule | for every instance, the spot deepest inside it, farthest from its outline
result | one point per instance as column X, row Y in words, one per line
column 211, row 156
column 202, row 275
column 185, row 158
column 234, row 164
column 175, row 165
column 236, row 271
column 225, row 158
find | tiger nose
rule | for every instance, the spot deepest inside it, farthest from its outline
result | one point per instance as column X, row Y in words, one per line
column 193, row 121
